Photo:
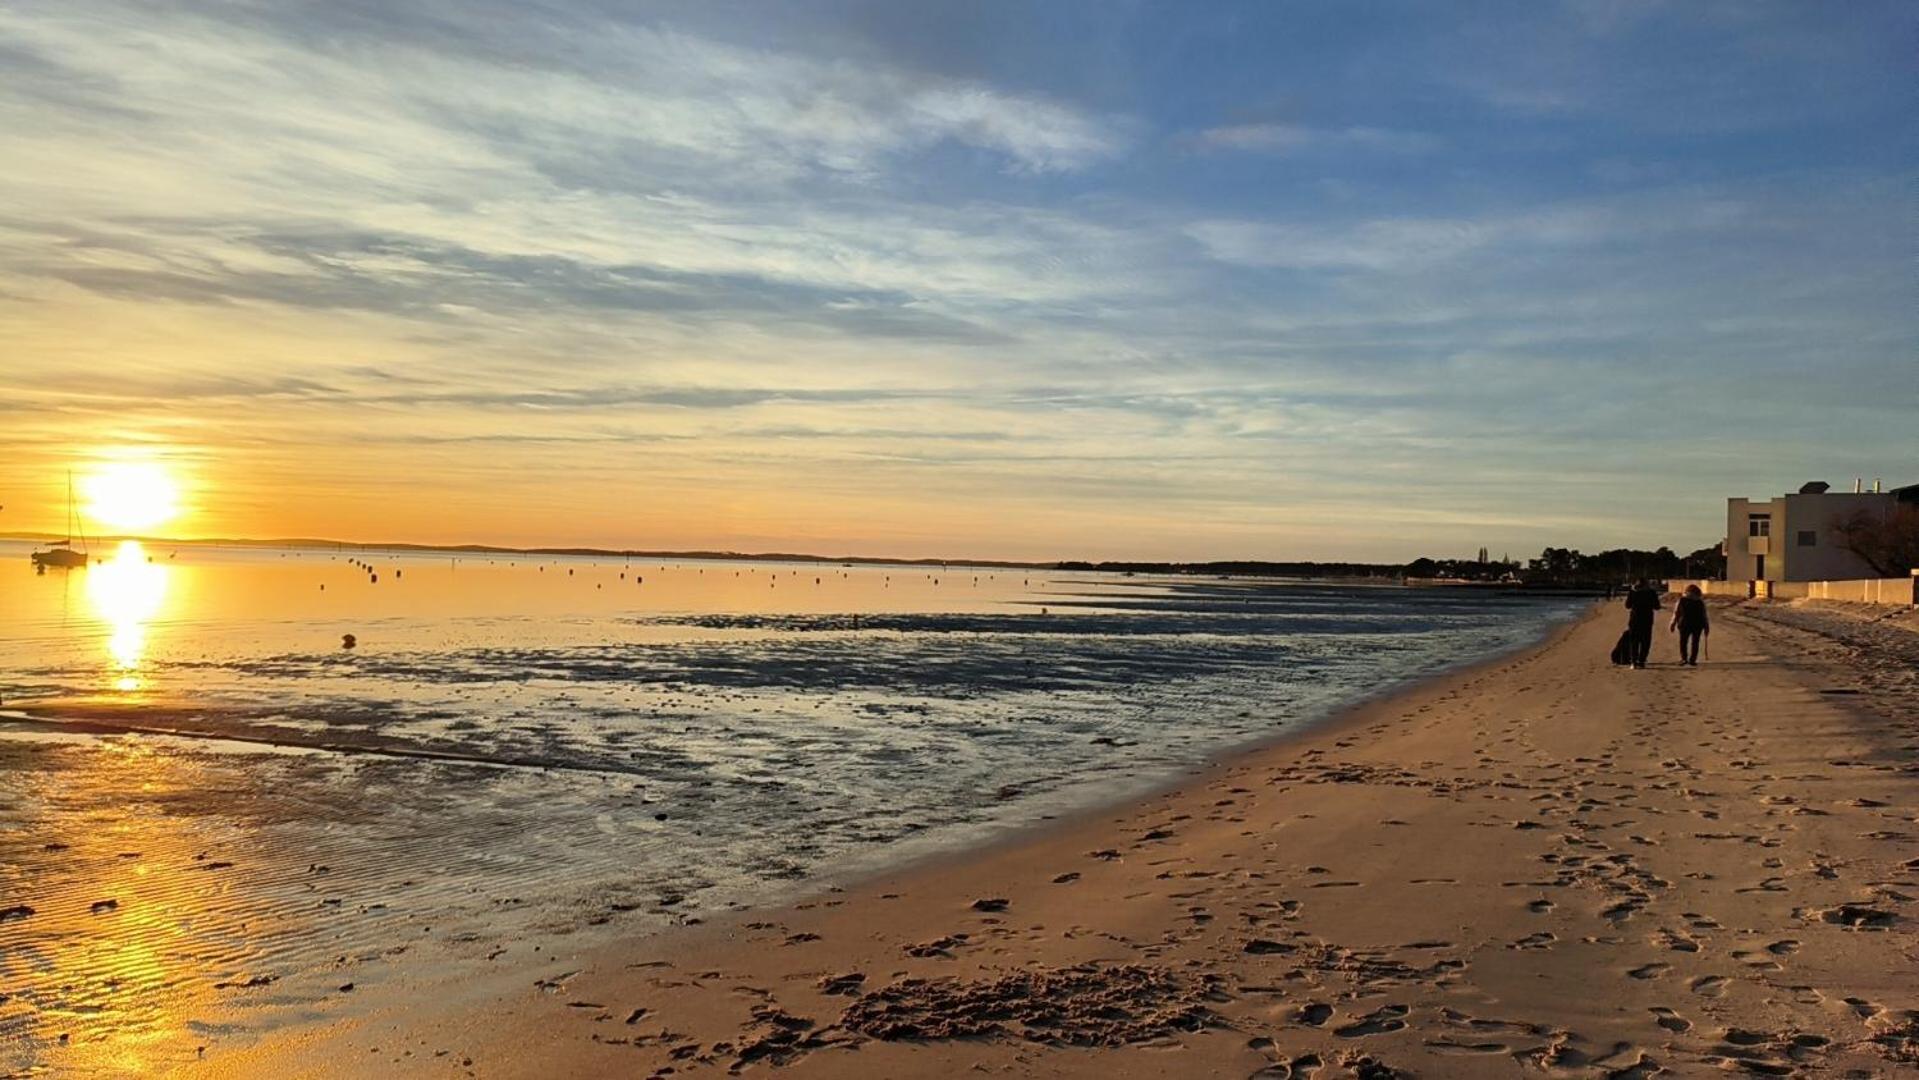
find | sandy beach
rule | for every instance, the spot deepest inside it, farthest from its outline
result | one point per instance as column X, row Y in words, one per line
column 1538, row 866
column 846, row 540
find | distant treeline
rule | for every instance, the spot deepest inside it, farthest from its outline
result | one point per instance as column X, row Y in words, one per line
column 1625, row 564
column 1246, row 568
column 1555, row 566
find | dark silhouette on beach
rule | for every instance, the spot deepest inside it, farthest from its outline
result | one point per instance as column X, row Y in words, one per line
column 1642, row 602
column 1689, row 618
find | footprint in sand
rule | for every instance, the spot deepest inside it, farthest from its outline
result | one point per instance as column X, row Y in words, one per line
column 1300, row 1068
column 1641, row 1068
column 1863, row 1009
column 1708, row 985
column 1806, row 995
column 1449, row 1046
column 1621, row 911
column 1488, row 1025
column 1670, row 1020
column 1539, row 906
column 1856, row 917
column 1383, row 1019
column 1676, row 941
column 1314, row 1013
column 1801, row 1047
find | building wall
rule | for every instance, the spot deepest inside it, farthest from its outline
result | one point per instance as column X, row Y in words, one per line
column 1741, row 546
column 1813, row 518
column 1801, row 544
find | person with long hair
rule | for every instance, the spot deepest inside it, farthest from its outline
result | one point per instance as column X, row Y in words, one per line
column 1689, row 618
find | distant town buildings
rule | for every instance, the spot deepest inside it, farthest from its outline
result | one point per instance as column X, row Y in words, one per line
column 1804, row 536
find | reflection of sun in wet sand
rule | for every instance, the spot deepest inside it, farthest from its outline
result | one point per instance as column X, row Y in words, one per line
column 127, row 591
column 130, row 932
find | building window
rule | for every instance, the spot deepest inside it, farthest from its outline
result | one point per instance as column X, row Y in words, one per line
column 1808, row 538
column 1758, row 524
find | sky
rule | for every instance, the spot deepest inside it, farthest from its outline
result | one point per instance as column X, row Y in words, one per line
column 972, row 278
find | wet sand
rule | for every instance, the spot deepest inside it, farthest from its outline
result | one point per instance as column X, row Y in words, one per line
column 269, row 834
column 1539, row 866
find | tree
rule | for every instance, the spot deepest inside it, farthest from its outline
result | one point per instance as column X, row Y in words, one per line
column 1889, row 543
column 1707, row 562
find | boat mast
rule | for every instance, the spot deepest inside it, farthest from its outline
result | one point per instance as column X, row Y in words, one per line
column 73, row 518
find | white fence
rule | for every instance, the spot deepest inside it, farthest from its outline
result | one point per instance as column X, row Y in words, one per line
column 1901, row 591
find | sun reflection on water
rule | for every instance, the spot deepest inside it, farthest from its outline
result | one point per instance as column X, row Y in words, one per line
column 118, row 965
column 127, row 592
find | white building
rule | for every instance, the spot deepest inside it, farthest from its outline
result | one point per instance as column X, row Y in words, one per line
column 1794, row 538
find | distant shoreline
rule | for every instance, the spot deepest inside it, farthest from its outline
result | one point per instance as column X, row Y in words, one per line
column 308, row 543
column 1358, row 573
column 1238, row 568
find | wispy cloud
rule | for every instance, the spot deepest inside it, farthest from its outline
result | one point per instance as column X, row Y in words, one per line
column 1670, row 216
column 1271, row 137
column 872, row 276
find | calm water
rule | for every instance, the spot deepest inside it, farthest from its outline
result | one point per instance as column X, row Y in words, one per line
column 219, row 816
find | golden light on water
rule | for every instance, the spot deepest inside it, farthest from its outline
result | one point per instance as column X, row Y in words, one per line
column 114, row 993
column 131, row 495
column 127, row 591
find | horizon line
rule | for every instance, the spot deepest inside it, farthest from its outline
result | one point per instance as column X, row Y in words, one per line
column 721, row 555
column 704, row 553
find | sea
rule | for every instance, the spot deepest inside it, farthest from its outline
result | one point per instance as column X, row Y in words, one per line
column 234, row 780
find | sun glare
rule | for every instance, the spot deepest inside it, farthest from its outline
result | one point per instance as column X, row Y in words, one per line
column 128, row 591
column 131, row 495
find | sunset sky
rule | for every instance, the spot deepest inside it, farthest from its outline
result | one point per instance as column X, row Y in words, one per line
column 1174, row 280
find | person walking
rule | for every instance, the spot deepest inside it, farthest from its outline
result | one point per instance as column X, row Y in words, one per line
column 1642, row 603
column 1689, row 618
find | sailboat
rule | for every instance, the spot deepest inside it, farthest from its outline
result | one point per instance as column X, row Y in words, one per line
column 61, row 553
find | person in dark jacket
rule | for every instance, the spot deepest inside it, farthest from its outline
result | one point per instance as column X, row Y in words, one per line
column 1642, row 603
column 1689, row 618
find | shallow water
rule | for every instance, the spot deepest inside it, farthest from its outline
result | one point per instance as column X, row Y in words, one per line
column 524, row 753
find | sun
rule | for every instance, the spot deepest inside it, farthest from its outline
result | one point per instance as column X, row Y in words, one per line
column 131, row 495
